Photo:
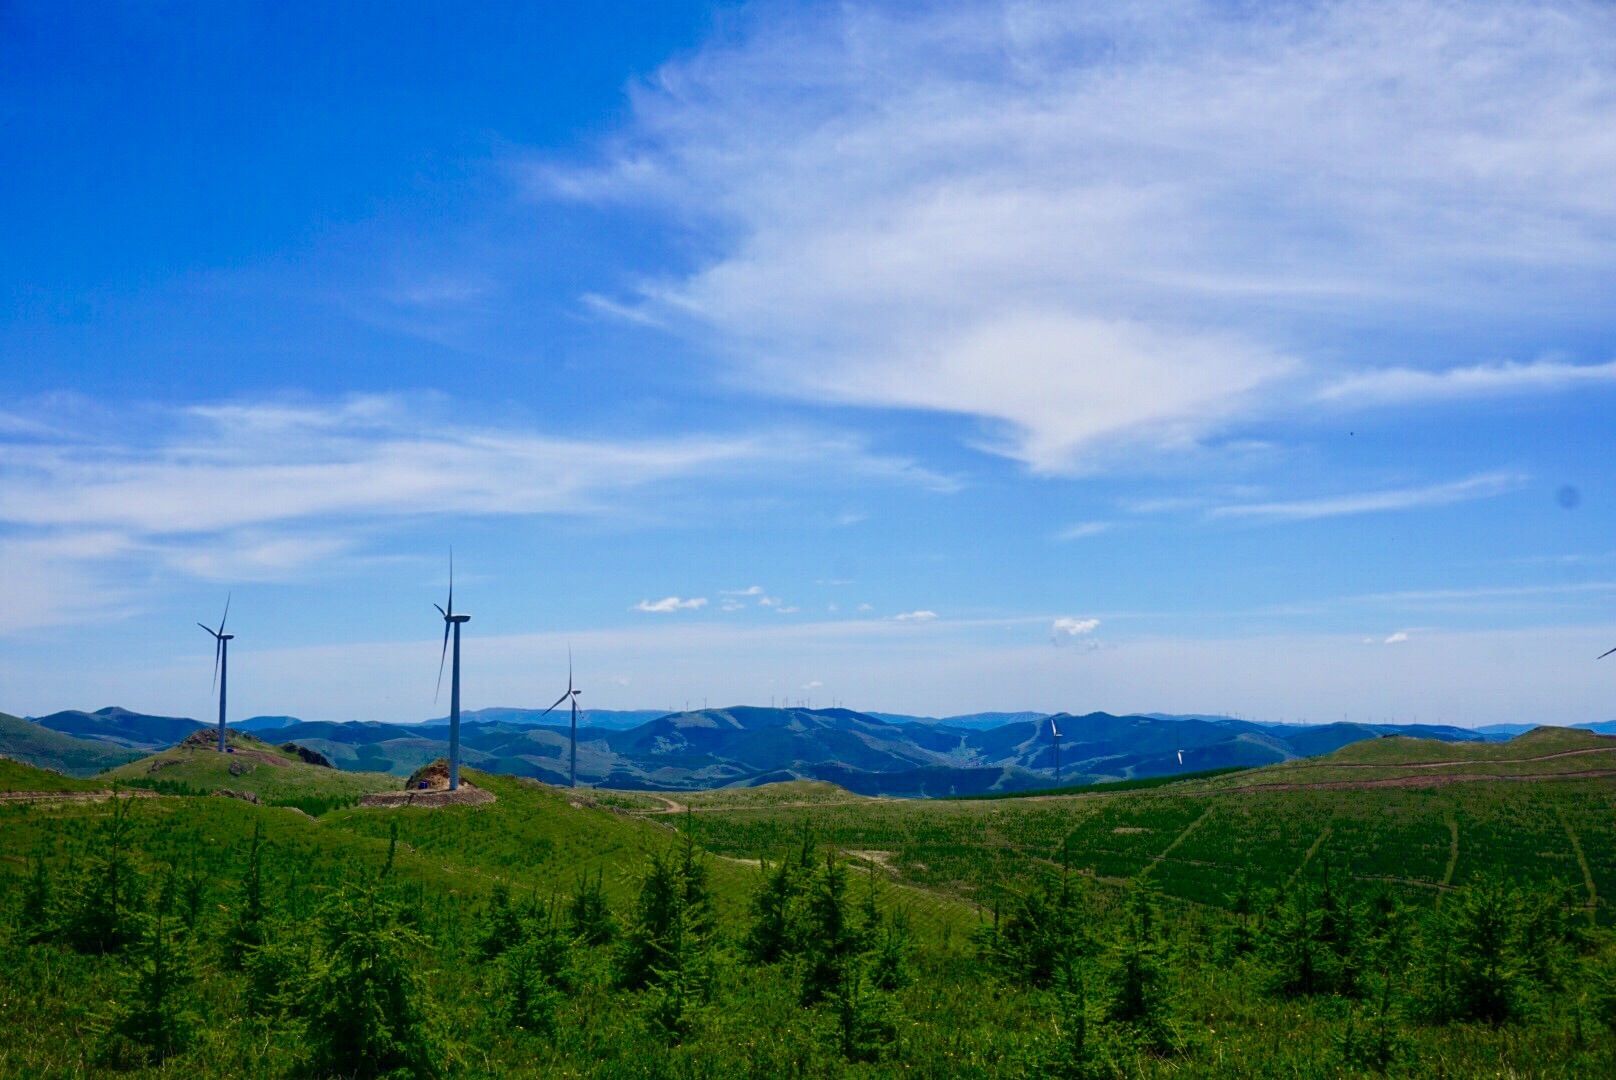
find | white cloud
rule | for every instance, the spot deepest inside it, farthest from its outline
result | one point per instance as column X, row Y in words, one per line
column 1484, row 486
column 812, row 684
column 1396, row 639
column 1393, row 386
column 228, row 466
column 916, row 616
column 1096, row 228
column 670, row 604
column 750, row 590
column 1068, row 628
column 1084, row 529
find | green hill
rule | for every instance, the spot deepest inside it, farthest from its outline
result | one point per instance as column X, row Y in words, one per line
column 31, row 744
column 18, row 776
column 276, row 776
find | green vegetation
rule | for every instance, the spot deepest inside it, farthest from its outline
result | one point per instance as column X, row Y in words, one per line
column 1108, row 786
column 1206, row 929
column 276, row 776
column 17, row 776
column 40, row 746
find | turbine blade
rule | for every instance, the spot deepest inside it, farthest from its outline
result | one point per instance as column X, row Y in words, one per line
column 208, row 628
column 451, row 579
column 441, row 658
column 558, row 701
column 226, row 614
column 569, row 668
column 1605, row 654
column 218, row 649
column 445, row 614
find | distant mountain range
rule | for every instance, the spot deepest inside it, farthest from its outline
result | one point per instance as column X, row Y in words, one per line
column 875, row 754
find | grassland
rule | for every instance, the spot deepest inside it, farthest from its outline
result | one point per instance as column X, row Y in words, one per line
column 948, row 867
column 276, row 776
column 35, row 745
column 1200, row 840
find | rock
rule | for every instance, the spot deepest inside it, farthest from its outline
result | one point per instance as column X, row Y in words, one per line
column 312, row 757
column 244, row 796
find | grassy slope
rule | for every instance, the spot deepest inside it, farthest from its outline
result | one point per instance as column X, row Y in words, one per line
column 536, row 839
column 1197, row 840
column 20, row 776
column 35, row 745
column 1541, row 752
column 269, row 772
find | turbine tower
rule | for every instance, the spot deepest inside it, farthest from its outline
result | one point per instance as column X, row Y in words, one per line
column 572, row 693
column 452, row 621
column 1054, row 737
column 221, row 663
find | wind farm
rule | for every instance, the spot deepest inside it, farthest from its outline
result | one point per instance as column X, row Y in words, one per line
column 1085, row 528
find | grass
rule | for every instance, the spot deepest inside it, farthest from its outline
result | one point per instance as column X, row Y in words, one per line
column 1142, row 783
column 20, row 776
column 27, row 742
column 276, row 776
column 945, row 862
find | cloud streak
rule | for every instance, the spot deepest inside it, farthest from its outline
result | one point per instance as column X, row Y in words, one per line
column 1483, row 486
column 1399, row 386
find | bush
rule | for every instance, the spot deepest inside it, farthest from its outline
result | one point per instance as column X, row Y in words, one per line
column 365, row 997
column 157, row 1020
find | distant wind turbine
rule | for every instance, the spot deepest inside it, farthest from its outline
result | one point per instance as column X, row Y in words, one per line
column 452, row 620
column 221, row 662
column 572, row 695
column 1054, row 737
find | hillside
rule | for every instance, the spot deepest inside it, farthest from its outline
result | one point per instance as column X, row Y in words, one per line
column 18, row 776
column 948, row 873
column 256, row 767
column 138, row 731
column 743, row 745
column 32, row 744
column 1542, row 753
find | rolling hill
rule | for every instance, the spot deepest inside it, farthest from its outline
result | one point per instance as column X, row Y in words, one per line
column 33, row 744
column 274, row 774
column 870, row 754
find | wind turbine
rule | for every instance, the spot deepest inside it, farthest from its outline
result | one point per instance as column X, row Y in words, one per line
column 572, row 693
column 1054, row 737
column 221, row 662
column 452, row 620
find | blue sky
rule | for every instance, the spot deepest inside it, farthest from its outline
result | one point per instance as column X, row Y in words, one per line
column 1252, row 358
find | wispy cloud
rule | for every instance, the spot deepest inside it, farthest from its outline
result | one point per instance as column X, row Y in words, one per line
column 1397, row 386
column 1083, row 530
column 915, row 616
column 1396, row 638
column 1097, row 229
column 669, row 604
column 1484, row 486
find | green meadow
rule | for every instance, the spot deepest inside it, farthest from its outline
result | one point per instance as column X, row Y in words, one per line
column 1273, row 922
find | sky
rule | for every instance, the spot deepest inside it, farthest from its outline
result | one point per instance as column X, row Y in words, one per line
column 1191, row 357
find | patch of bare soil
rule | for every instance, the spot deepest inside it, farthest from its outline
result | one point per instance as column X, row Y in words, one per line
column 882, row 859
column 466, row 796
column 1128, row 830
